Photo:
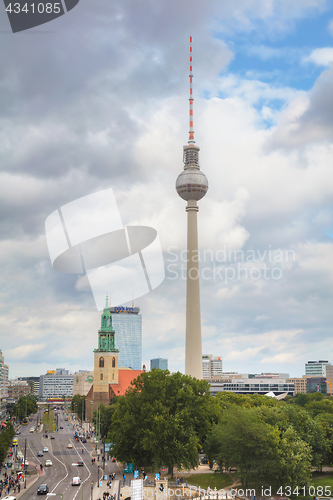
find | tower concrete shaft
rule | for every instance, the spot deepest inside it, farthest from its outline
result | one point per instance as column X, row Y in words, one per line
column 193, row 346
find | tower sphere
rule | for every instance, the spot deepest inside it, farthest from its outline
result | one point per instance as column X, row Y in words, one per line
column 191, row 184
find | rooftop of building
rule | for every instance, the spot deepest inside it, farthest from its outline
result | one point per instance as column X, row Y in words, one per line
column 124, row 310
column 125, row 378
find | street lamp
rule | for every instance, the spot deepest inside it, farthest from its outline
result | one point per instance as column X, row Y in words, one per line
column 98, row 469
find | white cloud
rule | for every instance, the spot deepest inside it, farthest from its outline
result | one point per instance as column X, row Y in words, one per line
column 24, row 351
column 321, row 57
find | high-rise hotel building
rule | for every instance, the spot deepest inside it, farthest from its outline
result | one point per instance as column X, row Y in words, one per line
column 211, row 366
column 127, row 323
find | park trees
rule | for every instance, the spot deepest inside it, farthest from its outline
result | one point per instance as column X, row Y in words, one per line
column 242, row 441
column 25, row 406
column 162, row 420
column 261, row 452
column 6, row 436
column 310, row 430
column 78, row 405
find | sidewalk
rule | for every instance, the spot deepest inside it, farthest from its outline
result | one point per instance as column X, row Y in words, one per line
column 98, row 491
column 30, row 481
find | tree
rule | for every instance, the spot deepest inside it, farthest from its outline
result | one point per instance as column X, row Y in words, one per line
column 310, row 430
column 107, row 413
column 78, row 405
column 293, row 460
column 163, row 419
column 6, row 437
column 261, row 452
column 243, row 441
column 25, row 406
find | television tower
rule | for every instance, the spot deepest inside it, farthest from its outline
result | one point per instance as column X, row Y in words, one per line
column 192, row 185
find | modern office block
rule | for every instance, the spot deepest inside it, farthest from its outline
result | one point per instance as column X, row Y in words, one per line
column 160, row 363
column 127, row 324
column 55, row 386
column 316, row 368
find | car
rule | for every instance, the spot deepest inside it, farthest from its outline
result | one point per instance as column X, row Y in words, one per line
column 84, row 440
column 52, row 437
column 18, row 433
column 48, row 463
column 45, row 449
column 61, row 427
column 40, row 454
column 26, row 463
column 80, row 463
column 69, row 445
column 76, row 481
column 9, row 497
column 43, row 489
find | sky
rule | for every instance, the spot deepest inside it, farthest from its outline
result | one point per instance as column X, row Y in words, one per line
column 98, row 99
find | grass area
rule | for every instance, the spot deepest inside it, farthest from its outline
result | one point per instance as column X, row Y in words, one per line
column 325, row 480
column 315, row 488
column 218, row 481
column 49, row 422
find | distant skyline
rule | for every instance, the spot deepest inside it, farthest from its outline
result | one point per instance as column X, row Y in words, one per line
column 100, row 100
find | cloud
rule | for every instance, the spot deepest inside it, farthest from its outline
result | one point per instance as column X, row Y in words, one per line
column 24, row 351
column 103, row 102
column 321, row 57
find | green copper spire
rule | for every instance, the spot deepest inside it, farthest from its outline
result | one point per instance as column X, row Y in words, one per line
column 106, row 319
column 106, row 333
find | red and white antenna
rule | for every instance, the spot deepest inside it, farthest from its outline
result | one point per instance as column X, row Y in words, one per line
column 191, row 133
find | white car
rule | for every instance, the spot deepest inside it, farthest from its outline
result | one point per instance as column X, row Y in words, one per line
column 76, row 481
column 69, row 445
column 48, row 463
column 45, row 448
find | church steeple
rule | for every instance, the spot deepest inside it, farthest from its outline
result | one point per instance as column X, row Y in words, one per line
column 106, row 333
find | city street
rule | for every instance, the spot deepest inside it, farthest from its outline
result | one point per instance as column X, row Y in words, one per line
column 58, row 477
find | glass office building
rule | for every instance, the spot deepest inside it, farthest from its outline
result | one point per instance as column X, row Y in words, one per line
column 160, row 363
column 127, row 323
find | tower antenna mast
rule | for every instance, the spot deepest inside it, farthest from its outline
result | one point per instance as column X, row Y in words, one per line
column 191, row 132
